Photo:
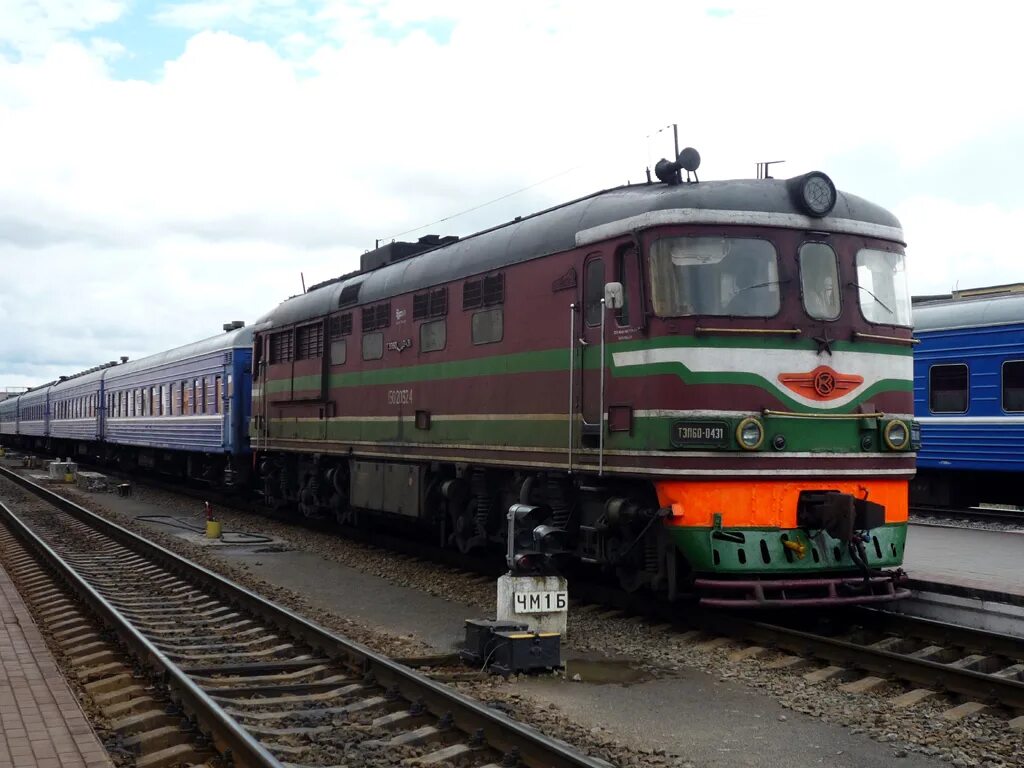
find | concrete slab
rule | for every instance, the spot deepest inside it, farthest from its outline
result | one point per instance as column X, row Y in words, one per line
column 362, row 597
column 825, row 673
column 714, row 723
column 863, row 685
column 982, row 559
column 966, row 709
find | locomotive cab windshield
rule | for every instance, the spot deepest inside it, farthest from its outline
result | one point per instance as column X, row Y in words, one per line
column 736, row 276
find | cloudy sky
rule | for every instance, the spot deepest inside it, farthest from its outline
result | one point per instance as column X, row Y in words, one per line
column 169, row 166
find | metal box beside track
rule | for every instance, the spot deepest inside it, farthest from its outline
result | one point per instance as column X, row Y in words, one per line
column 508, row 648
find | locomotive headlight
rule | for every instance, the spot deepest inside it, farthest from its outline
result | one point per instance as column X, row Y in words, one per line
column 896, row 435
column 750, row 434
column 813, row 192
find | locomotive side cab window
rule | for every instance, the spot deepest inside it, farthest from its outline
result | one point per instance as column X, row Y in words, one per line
column 819, row 281
column 1013, row 386
column 882, row 287
column 724, row 276
column 948, row 388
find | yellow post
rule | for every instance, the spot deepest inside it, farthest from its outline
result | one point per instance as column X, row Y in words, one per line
column 213, row 529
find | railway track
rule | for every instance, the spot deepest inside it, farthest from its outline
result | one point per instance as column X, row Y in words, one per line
column 870, row 646
column 257, row 684
column 983, row 514
column 866, row 645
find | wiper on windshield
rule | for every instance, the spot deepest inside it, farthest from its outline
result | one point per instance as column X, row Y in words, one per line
column 760, row 285
column 880, row 302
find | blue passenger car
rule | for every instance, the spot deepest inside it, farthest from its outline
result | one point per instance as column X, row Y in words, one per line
column 34, row 416
column 9, row 418
column 75, row 412
column 183, row 411
column 969, row 397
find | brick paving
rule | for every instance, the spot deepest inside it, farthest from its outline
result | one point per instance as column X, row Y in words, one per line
column 41, row 723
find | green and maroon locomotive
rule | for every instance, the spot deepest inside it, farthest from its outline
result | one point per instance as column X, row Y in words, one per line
column 706, row 385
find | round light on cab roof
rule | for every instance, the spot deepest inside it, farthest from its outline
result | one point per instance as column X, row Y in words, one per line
column 814, row 193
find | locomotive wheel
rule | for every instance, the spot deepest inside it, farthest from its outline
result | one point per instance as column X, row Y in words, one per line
column 465, row 535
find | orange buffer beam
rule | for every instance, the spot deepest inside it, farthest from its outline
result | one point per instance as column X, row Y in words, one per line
column 768, row 503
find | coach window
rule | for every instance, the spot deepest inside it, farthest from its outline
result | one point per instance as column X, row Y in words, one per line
column 373, row 346
column 218, row 393
column 819, row 281
column 718, row 276
column 594, row 291
column 947, row 388
column 1013, row 386
column 433, row 335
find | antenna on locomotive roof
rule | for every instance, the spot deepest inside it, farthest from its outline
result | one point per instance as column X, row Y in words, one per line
column 302, row 277
column 763, row 168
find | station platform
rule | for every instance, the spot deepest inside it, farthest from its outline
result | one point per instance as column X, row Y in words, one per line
column 41, row 722
column 969, row 558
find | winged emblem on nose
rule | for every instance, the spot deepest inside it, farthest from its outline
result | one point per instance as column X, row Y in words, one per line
column 823, row 383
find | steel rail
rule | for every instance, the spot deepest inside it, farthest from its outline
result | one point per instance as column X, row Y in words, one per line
column 472, row 717
column 1003, row 691
column 226, row 732
column 970, row 513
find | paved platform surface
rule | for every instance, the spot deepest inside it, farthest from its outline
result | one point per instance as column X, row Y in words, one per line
column 41, row 723
column 978, row 559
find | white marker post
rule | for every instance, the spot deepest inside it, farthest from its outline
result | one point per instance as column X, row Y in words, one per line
column 540, row 602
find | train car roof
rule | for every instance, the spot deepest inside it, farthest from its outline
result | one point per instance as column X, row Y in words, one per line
column 36, row 393
column 81, row 380
column 239, row 338
column 605, row 214
column 976, row 312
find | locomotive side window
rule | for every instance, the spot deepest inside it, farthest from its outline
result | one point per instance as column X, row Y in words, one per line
column 340, row 327
column 947, row 388
column 339, row 352
column 593, row 291
column 882, row 285
column 373, row 346
column 726, row 276
column 819, row 281
column 1013, row 386
column 309, row 342
column 433, row 335
column 488, row 326
column 281, row 347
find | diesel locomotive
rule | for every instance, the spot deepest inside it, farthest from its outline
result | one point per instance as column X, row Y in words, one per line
column 705, row 387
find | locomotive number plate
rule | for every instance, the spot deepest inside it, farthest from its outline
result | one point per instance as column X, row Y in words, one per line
column 541, row 602
column 700, row 434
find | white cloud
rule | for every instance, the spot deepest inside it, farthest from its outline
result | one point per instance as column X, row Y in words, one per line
column 960, row 246
column 351, row 121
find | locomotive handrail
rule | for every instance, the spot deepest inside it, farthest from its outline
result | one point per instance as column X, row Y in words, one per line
column 770, row 331
column 796, row 415
column 881, row 337
column 572, row 375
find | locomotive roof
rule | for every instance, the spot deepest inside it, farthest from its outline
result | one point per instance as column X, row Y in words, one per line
column 609, row 213
column 950, row 313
